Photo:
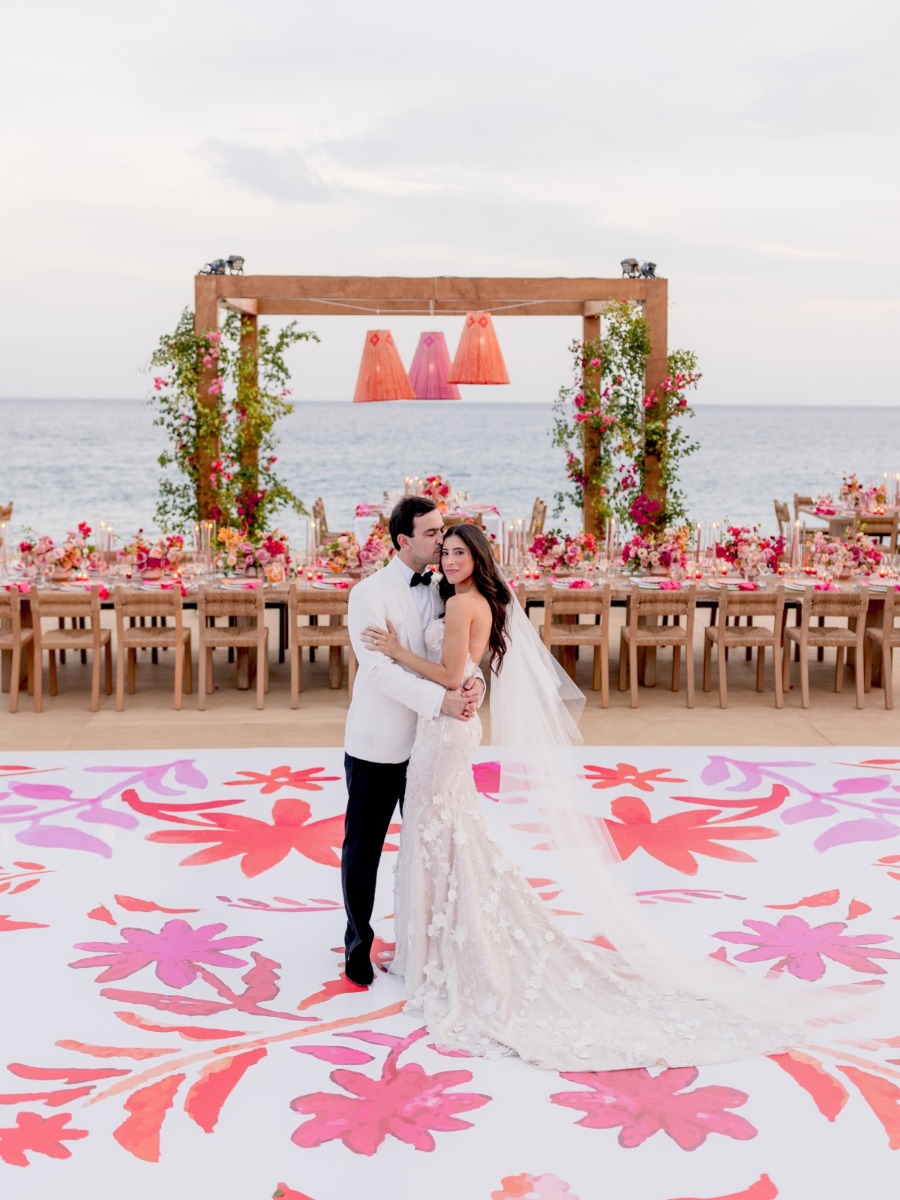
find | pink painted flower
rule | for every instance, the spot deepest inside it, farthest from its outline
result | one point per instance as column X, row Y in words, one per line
column 405, row 1102
column 802, row 948
column 533, row 1187
column 642, row 1104
column 176, row 950
column 35, row 1134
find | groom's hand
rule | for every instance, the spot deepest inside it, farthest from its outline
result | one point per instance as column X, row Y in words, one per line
column 473, row 690
column 457, row 704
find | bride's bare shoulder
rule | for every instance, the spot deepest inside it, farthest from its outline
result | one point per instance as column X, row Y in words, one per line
column 467, row 605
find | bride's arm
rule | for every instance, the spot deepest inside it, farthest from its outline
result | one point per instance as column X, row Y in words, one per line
column 457, row 630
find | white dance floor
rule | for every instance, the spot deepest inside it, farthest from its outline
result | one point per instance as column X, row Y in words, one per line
column 174, row 1023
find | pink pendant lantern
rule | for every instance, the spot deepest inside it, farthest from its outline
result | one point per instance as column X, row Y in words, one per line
column 429, row 370
column 381, row 373
column 478, row 358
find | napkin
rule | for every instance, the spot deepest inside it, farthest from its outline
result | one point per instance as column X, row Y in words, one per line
column 826, row 587
column 747, row 585
column 669, row 585
column 20, row 587
column 579, row 583
column 824, row 511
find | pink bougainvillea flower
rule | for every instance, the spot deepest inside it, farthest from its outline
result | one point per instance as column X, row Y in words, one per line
column 802, row 948
column 643, row 1104
column 405, row 1103
column 676, row 839
column 309, row 779
column 176, row 950
column 533, row 1187
column 40, row 1135
column 262, row 845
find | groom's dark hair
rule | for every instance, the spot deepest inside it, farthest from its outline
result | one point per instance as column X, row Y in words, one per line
column 404, row 514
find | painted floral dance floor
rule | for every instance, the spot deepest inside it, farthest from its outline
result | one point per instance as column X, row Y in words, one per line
column 175, row 1022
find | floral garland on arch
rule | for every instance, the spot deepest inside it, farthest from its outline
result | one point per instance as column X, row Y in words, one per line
column 607, row 401
column 247, row 399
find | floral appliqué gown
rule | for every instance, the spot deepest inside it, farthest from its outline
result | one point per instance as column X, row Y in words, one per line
column 489, row 970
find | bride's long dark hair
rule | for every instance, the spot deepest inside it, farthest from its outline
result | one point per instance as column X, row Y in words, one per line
column 489, row 582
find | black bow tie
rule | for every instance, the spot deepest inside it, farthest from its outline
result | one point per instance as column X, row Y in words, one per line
column 425, row 578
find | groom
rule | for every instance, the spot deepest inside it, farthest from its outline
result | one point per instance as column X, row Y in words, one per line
column 387, row 699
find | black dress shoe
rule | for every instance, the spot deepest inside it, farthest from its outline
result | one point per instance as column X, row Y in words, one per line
column 359, row 970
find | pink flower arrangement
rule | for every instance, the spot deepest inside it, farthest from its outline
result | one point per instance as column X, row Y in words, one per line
column 161, row 554
column 437, row 490
column 859, row 553
column 343, row 554
column 745, row 548
column 241, row 552
column 558, row 551
column 378, row 549
column 651, row 551
column 72, row 553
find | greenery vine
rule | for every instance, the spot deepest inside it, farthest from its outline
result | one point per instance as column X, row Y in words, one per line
column 611, row 429
column 234, row 425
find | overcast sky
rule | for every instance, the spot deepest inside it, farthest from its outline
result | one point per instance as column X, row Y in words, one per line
column 750, row 150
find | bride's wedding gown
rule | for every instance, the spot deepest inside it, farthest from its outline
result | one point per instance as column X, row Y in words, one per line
column 490, row 971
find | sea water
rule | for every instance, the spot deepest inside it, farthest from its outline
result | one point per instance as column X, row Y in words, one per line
column 66, row 461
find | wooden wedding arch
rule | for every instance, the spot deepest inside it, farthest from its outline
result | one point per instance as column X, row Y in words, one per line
column 255, row 296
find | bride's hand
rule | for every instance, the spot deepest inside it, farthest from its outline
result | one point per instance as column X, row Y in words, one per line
column 385, row 641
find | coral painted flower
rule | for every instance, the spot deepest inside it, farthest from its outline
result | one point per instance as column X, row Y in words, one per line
column 262, row 845
column 802, row 948
column 642, row 1104
column 176, row 950
column 675, row 840
column 406, row 1103
column 625, row 773
column 40, row 1135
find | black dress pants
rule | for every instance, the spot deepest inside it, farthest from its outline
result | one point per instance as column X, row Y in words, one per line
column 373, row 792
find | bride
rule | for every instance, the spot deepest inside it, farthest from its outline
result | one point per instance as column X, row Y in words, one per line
column 482, row 960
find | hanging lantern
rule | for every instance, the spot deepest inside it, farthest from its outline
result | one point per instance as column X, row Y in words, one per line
column 478, row 358
column 381, row 373
column 429, row 370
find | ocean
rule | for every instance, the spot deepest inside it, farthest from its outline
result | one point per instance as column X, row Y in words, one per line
column 65, row 461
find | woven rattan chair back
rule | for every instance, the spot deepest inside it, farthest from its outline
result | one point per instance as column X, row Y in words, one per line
column 538, row 517
column 462, row 519
column 134, row 607
column 327, row 630
column 882, row 527
column 244, row 631
column 783, row 517
column 881, row 640
column 564, row 626
column 725, row 636
column 833, row 607
column 802, row 502
column 16, row 641
column 82, row 608
column 643, row 631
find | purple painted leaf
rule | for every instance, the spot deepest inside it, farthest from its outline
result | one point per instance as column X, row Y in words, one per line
column 809, row 811
column 866, row 829
column 344, row 1056
column 108, row 816
column 15, row 810
column 716, row 771
column 59, row 837
column 188, row 774
column 42, row 791
column 865, row 783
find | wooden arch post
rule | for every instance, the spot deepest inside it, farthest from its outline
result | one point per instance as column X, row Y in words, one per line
column 433, row 296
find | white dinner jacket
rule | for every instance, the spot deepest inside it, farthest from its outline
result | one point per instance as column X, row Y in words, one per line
column 387, row 698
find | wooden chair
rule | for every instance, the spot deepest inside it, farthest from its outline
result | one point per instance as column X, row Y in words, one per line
column 538, row 517
column 837, row 605
column 882, row 527
column 318, row 513
column 245, row 630
column 563, row 609
column 727, row 637
column 133, row 606
column 642, row 630
column 304, row 602
column 460, row 519
column 13, row 640
column 802, row 502
column 82, row 609
column 783, row 517
column 882, row 641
